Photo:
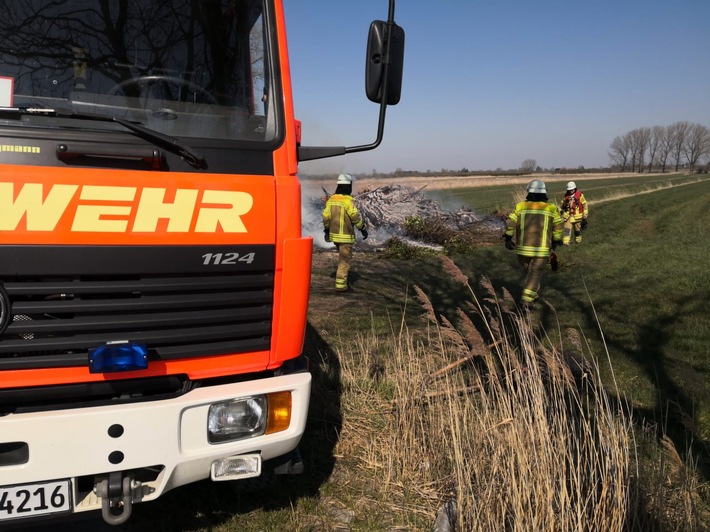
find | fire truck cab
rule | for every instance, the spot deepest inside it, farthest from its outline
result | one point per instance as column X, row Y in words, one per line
column 154, row 279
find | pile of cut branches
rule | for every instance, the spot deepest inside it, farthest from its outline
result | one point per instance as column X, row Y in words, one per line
column 407, row 213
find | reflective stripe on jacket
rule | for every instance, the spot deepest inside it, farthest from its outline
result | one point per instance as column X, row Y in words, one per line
column 575, row 206
column 535, row 225
column 339, row 217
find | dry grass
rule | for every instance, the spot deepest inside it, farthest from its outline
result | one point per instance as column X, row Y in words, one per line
column 501, row 428
column 452, row 182
column 519, row 195
column 646, row 190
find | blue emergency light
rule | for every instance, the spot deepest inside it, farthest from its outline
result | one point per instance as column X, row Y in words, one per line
column 118, row 356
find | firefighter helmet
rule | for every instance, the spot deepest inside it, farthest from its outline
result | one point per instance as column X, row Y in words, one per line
column 537, row 186
column 571, row 185
column 345, row 179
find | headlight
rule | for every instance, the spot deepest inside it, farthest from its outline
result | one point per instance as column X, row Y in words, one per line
column 237, row 419
column 247, row 417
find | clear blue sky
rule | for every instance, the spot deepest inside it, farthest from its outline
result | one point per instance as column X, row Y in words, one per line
column 490, row 83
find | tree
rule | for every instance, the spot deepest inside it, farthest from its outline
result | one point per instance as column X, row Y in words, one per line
column 697, row 144
column 681, row 141
column 528, row 165
column 639, row 139
column 677, row 133
column 665, row 148
column 620, row 151
column 657, row 134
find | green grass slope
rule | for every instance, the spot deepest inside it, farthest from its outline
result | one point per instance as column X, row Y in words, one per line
column 487, row 199
column 639, row 284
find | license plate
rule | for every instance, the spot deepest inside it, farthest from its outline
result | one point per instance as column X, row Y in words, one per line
column 30, row 500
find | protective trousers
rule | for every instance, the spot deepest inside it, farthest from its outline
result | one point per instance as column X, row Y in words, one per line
column 572, row 226
column 534, row 268
column 345, row 254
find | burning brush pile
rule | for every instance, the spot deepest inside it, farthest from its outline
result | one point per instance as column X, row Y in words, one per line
column 399, row 215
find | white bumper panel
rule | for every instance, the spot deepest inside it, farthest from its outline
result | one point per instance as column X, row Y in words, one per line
column 170, row 434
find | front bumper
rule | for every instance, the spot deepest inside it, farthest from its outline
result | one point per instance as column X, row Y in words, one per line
column 167, row 437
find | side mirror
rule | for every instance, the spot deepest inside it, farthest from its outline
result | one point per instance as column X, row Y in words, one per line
column 377, row 60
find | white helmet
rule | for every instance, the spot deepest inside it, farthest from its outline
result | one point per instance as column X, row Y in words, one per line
column 345, row 179
column 571, row 185
column 537, row 186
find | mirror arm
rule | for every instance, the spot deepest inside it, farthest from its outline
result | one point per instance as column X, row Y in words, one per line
column 385, row 85
column 308, row 153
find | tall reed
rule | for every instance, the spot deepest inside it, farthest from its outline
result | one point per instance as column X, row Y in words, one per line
column 488, row 419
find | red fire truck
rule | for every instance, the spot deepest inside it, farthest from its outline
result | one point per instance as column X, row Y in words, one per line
column 154, row 280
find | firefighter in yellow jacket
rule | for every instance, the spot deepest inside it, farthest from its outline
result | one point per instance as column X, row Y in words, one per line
column 574, row 214
column 340, row 217
column 537, row 228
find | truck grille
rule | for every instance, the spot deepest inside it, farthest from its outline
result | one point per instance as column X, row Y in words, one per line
column 53, row 322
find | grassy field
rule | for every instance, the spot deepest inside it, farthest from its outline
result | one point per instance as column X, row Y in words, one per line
column 641, row 277
column 487, row 196
column 630, row 299
column 430, row 388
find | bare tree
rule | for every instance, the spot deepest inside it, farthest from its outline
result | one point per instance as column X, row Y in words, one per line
column 665, row 148
column 697, row 144
column 639, row 143
column 620, row 151
column 657, row 134
column 678, row 142
column 678, row 132
column 528, row 165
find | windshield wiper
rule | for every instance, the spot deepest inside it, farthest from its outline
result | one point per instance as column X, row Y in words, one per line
column 188, row 154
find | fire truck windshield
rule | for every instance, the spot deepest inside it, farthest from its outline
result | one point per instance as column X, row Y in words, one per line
column 185, row 68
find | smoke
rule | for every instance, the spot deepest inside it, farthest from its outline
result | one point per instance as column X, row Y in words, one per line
column 386, row 211
column 312, row 205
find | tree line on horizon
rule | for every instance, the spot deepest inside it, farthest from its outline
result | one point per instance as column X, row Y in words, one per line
column 679, row 145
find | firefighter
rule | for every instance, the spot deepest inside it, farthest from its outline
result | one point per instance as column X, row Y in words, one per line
column 537, row 228
column 574, row 214
column 340, row 217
